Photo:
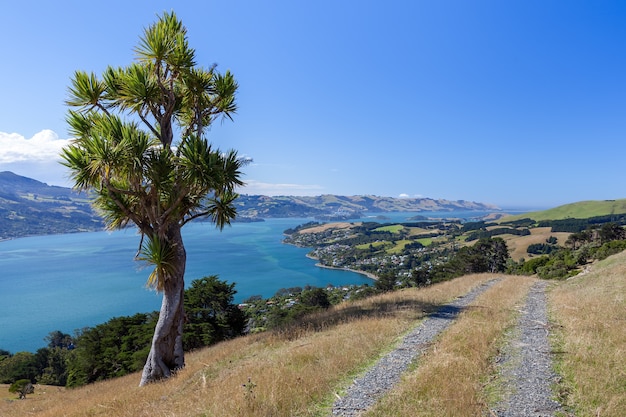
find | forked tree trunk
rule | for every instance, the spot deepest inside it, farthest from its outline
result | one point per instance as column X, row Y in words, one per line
column 166, row 353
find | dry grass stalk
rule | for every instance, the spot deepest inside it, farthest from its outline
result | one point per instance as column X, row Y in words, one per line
column 591, row 311
column 294, row 372
column 448, row 378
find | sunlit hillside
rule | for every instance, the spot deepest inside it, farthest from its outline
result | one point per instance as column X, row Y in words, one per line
column 295, row 371
column 579, row 210
column 300, row 370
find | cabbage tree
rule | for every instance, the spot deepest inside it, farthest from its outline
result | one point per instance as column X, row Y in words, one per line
column 140, row 148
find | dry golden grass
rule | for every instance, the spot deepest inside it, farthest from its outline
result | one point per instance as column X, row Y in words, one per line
column 329, row 226
column 295, row 372
column 448, row 380
column 416, row 231
column 518, row 244
column 5, row 394
column 591, row 308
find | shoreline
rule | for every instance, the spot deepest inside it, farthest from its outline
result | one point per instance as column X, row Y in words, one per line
column 371, row 276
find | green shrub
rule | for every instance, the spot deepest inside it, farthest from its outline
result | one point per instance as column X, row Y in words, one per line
column 22, row 387
column 610, row 248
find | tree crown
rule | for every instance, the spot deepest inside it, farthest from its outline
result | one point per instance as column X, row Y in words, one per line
column 125, row 124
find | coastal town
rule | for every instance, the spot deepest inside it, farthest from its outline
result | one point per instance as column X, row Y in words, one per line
column 377, row 249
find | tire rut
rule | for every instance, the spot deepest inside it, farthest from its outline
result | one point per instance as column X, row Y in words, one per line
column 368, row 388
column 525, row 365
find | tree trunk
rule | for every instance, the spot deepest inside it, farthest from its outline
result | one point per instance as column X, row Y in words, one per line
column 166, row 353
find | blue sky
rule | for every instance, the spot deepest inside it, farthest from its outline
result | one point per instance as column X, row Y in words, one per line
column 515, row 103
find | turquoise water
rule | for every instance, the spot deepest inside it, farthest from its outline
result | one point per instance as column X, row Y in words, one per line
column 67, row 282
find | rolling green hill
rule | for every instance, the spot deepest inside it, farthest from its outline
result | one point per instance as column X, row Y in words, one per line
column 580, row 210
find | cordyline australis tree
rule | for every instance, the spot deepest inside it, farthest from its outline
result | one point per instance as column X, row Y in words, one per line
column 126, row 153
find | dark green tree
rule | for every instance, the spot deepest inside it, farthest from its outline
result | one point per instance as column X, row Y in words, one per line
column 58, row 339
column 486, row 255
column 497, row 254
column 52, row 364
column 420, row 277
column 211, row 314
column 611, row 231
column 140, row 149
column 315, row 297
column 22, row 365
column 111, row 349
column 575, row 240
column 385, row 282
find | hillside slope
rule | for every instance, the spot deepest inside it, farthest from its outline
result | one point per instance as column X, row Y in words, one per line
column 300, row 370
column 579, row 210
column 337, row 207
column 284, row 373
column 590, row 335
column 29, row 207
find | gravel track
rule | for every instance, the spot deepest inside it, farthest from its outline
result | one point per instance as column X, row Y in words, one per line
column 365, row 390
column 525, row 364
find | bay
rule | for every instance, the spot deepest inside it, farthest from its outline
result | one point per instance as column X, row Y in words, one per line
column 70, row 281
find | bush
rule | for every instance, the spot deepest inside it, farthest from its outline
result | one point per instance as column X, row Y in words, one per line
column 610, row 248
column 22, row 387
column 531, row 266
column 561, row 264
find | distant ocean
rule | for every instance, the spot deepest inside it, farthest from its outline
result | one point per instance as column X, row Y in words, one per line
column 70, row 281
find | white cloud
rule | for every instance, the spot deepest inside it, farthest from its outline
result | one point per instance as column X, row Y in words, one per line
column 405, row 195
column 37, row 157
column 254, row 187
column 43, row 146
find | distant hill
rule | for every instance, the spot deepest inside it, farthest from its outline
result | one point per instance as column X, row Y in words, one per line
column 30, row 207
column 579, row 210
column 336, row 207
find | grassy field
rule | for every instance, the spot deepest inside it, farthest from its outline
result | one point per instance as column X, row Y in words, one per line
column 590, row 337
column 394, row 228
column 399, row 246
column 519, row 244
column 377, row 245
column 580, row 210
column 300, row 370
column 416, row 231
